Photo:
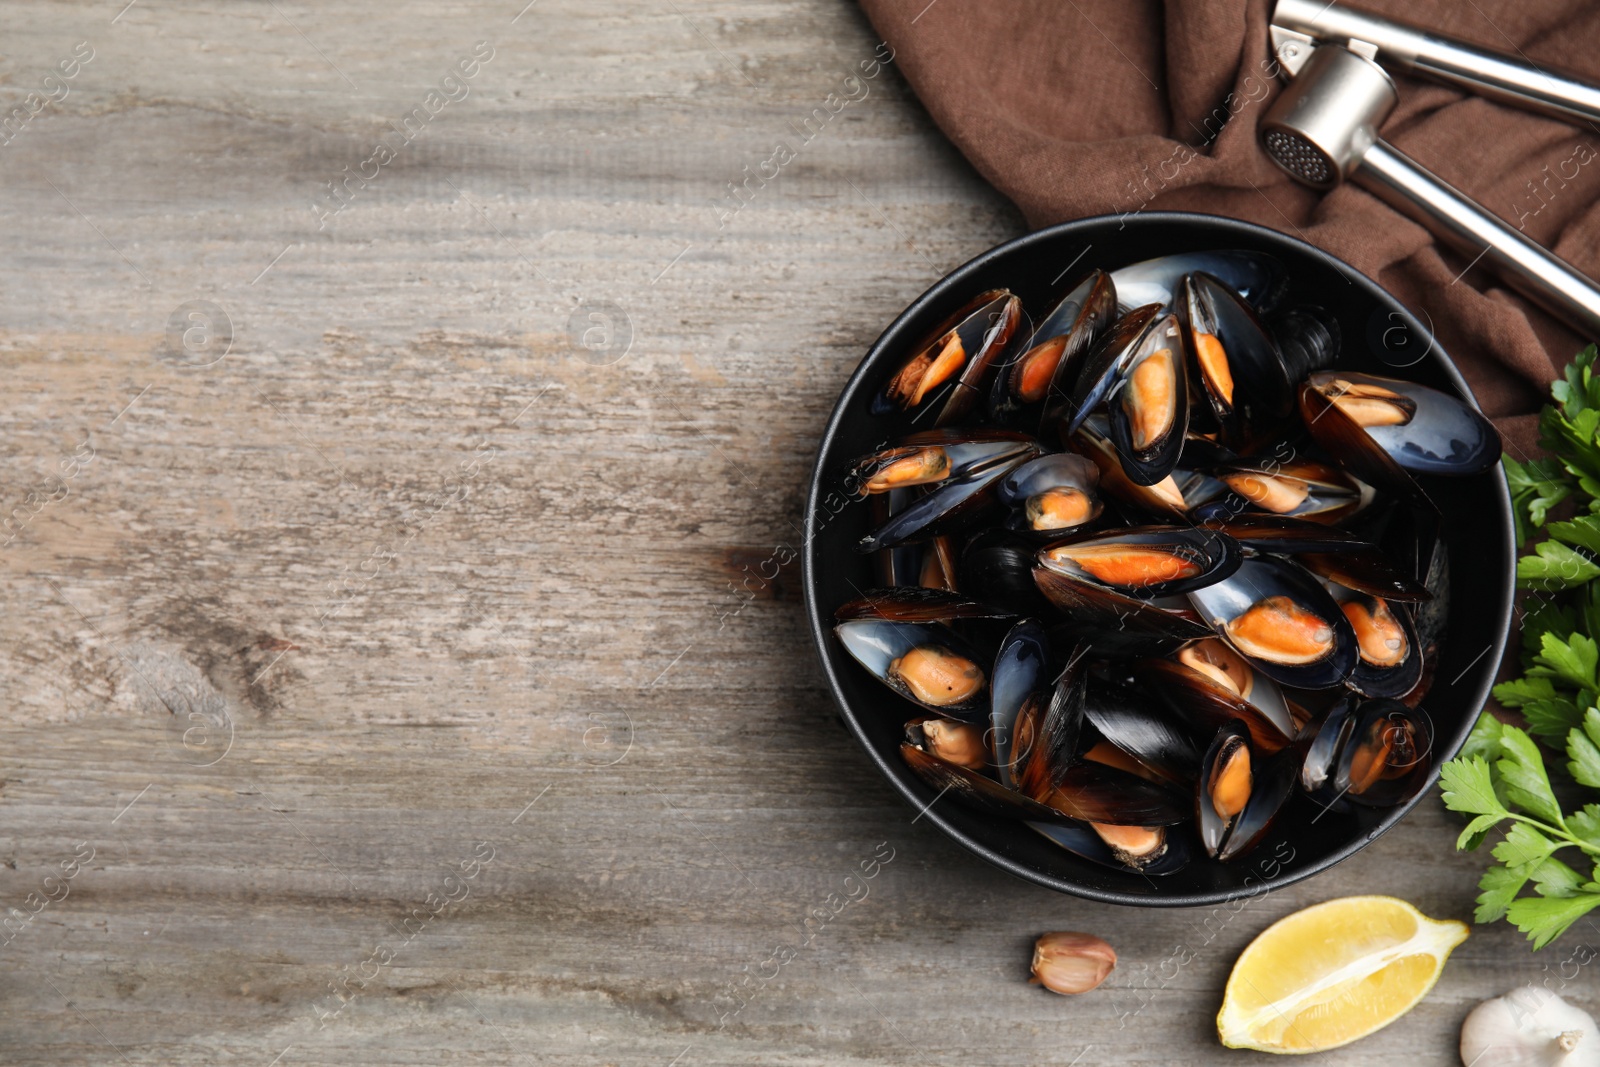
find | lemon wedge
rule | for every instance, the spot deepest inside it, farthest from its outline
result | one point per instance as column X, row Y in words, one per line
column 1332, row 973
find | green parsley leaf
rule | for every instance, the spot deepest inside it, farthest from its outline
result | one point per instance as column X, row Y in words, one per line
column 1581, row 532
column 1555, row 566
column 1523, row 846
column 1468, row 786
column 1544, row 919
column 1546, row 616
column 1552, row 878
column 1476, row 831
column 1585, row 824
column 1536, row 487
column 1519, row 691
column 1572, row 661
column 1483, row 742
column 1583, row 751
column 1522, row 772
column 1552, row 718
column 1500, row 887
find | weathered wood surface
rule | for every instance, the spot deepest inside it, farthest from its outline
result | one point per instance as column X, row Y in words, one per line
column 296, row 637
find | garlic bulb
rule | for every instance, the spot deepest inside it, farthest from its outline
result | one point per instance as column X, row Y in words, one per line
column 1529, row 1027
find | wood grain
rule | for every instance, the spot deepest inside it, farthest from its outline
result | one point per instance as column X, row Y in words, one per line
column 305, row 624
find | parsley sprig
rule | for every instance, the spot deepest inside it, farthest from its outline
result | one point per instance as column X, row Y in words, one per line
column 1501, row 777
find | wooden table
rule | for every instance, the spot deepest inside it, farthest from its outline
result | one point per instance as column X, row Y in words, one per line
column 392, row 652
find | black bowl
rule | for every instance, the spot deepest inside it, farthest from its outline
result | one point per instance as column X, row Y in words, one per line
column 1380, row 336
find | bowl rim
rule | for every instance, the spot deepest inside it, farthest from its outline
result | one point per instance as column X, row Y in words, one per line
column 820, row 631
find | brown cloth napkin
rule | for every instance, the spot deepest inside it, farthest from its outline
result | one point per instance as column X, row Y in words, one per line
column 1086, row 107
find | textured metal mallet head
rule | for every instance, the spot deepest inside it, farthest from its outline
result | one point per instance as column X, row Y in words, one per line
column 1325, row 120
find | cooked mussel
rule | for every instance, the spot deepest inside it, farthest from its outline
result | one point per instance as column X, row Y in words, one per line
column 1329, row 552
column 1298, row 489
column 1259, row 278
column 1240, row 792
column 1206, row 685
column 1052, row 494
column 954, row 361
column 927, row 663
column 1017, row 681
column 1231, row 352
column 953, row 505
column 1377, row 753
column 1389, row 655
column 1157, row 745
column 1385, row 429
column 1151, row 851
column 1061, row 338
column 1095, row 793
column 1283, row 621
column 1099, row 373
column 1118, row 621
column 975, row 789
column 1046, row 732
column 1308, row 339
column 961, row 743
column 1137, row 372
column 1146, row 561
column 936, row 456
column 1092, row 440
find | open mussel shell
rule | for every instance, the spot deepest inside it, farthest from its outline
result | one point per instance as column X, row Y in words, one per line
column 1099, row 373
column 956, row 355
column 1052, row 494
column 927, row 663
column 1368, row 570
column 1328, row 552
column 1061, row 338
column 1283, row 621
column 1384, row 429
column 927, row 565
column 950, row 507
column 1137, row 372
column 1259, row 278
column 1158, row 742
column 1093, row 441
column 1146, row 561
column 1299, row 489
column 1046, row 732
column 1173, row 855
column 1150, row 406
column 1231, row 352
column 915, row 604
column 936, row 456
column 1093, row 792
column 1018, row 677
column 1240, row 792
column 970, row 387
column 1115, row 621
column 1389, row 652
column 975, row 789
column 1377, row 753
column 1208, row 705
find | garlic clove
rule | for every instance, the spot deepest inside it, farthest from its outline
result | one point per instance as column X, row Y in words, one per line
column 1529, row 1027
column 1067, row 962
